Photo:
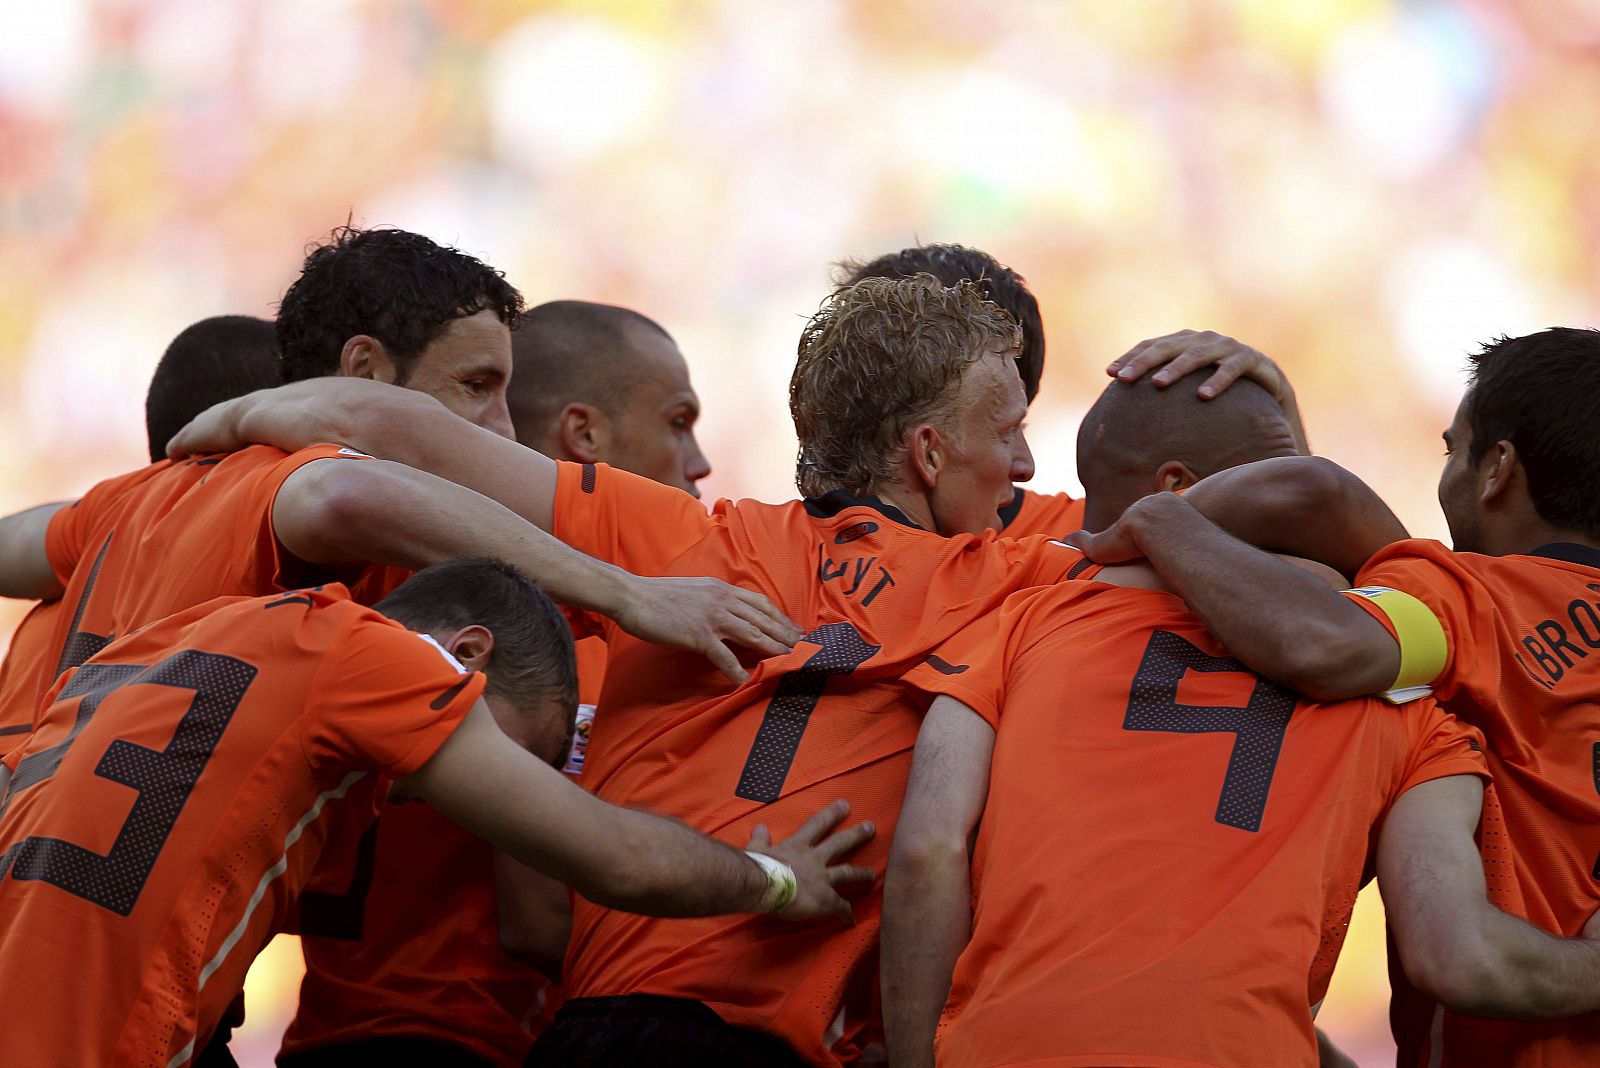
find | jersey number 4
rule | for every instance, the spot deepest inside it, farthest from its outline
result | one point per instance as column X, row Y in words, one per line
column 1257, row 727
column 163, row 778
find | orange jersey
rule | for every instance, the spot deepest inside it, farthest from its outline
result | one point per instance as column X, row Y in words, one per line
column 830, row 719
column 1522, row 664
column 1055, row 514
column 165, row 538
column 1231, row 821
column 27, row 660
column 173, row 801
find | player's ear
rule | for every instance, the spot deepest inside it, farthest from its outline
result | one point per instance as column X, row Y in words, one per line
column 1174, row 475
column 471, row 645
column 926, row 455
column 1498, row 471
column 365, row 357
column 583, row 432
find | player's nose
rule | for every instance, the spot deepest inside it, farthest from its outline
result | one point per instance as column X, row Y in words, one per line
column 497, row 417
column 695, row 466
column 1022, row 462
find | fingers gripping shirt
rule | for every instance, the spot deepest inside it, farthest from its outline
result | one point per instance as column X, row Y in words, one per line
column 1232, row 822
column 173, row 801
column 1522, row 664
column 830, row 719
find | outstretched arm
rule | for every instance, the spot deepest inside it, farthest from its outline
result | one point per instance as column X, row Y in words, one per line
column 25, row 569
column 622, row 858
column 927, row 917
column 1280, row 620
column 1454, row 945
column 334, row 512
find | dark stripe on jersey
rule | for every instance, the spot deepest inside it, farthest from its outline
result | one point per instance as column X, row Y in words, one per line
column 21, row 728
column 209, row 462
column 1008, row 514
column 444, row 699
column 1567, row 551
column 943, row 666
column 588, row 478
column 292, row 599
column 1079, row 568
column 832, row 503
column 80, row 646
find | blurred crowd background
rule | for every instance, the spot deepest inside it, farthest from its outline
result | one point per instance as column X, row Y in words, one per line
column 1363, row 189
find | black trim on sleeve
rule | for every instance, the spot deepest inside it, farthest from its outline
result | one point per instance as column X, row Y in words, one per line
column 587, row 484
column 943, row 666
column 1079, row 568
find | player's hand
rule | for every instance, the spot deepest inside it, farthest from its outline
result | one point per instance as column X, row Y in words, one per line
column 810, row 852
column 1175, row 355
column 706, row 615
column 1121, row 541
column 214, row 430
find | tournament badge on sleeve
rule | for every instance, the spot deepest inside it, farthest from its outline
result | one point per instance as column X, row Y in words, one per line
column 580, row 741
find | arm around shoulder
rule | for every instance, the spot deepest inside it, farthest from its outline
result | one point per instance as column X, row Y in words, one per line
column 25, row 570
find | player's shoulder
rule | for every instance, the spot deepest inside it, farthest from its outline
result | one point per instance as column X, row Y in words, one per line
column 1033, row 512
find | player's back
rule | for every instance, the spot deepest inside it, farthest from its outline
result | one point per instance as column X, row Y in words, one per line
column 176, row 794
column 1523, row 665
column 830, row 719
column 1171, row 846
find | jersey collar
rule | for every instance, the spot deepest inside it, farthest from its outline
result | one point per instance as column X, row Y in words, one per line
column 833, row 502
column 1571, row 553
column 1009, row 512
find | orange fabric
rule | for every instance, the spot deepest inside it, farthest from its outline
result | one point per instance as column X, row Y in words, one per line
column 27, row 660
column 876, row 595
column 1232, row 822
column 1055, row 514
column 207, row 760
column 417, row 951
column 1524, row 668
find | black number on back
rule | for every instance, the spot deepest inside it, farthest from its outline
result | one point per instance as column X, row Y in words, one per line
column 1258, row 727
column 843, row 650
column 163, row 778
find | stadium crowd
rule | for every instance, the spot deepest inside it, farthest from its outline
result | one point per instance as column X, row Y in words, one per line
column 913, row 768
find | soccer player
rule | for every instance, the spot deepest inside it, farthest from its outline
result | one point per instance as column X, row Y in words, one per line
column 161, row 822
column 1503, row 628
column 1073, row 947
column 209, row 361
column 381, row 304
column 591, row 383
column 1031, row 512
column 909, row 418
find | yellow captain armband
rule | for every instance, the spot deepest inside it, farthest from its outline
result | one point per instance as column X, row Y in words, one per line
column 1423, row 648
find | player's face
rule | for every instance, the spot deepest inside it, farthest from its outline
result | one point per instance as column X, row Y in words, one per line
column 1458, row 484
column 987, row 452
column 652, row 433
column 466, row 368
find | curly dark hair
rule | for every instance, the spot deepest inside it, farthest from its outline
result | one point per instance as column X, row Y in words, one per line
column 995, row 281
column 392, row 285
column 1540, row 393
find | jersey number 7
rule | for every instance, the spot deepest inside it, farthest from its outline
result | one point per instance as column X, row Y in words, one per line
column 163, row 778
column 1257, row 726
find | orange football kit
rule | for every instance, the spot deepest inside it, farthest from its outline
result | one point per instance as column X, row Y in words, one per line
column 1055, row 514
column 24, row 664
column 1231, row 823
column 171, row 804
column 830, row 719
column 1511, row 644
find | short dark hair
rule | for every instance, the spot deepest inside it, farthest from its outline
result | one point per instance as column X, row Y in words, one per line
column 532, row 658
column 211, row 361
column 392, row 285
column 1541, row 392
column 995, row 281
column 570, row 350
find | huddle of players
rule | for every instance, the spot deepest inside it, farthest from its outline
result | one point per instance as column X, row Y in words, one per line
column 1072, row 881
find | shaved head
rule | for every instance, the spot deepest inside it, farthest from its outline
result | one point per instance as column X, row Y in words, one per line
column 1139, row 440
column 570, row 351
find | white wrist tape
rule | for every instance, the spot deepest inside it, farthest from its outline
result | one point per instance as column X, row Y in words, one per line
column 781, row 883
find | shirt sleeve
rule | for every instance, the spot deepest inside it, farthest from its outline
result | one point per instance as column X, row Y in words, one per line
column 67, row 537
column 972, row 665
column 389, row 697
column 1442, row 745
column 272, row 566
column 625, row 519
column 1436, row 610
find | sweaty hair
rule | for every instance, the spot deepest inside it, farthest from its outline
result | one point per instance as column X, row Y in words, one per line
column 1135, row 428
column 879, row 357
column 392, row 285
column 214, row 360
column 532, row 658
column 568, row 351
column 1541, row 392
column 958, row 263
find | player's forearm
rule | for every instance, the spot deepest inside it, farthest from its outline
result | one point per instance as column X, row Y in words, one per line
column 1280, row 620
column 25, row 570
column 1510, row 969
column 927, row 921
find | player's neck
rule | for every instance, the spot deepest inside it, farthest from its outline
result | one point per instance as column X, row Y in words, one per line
column 1528, row 532
column 914, row 506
